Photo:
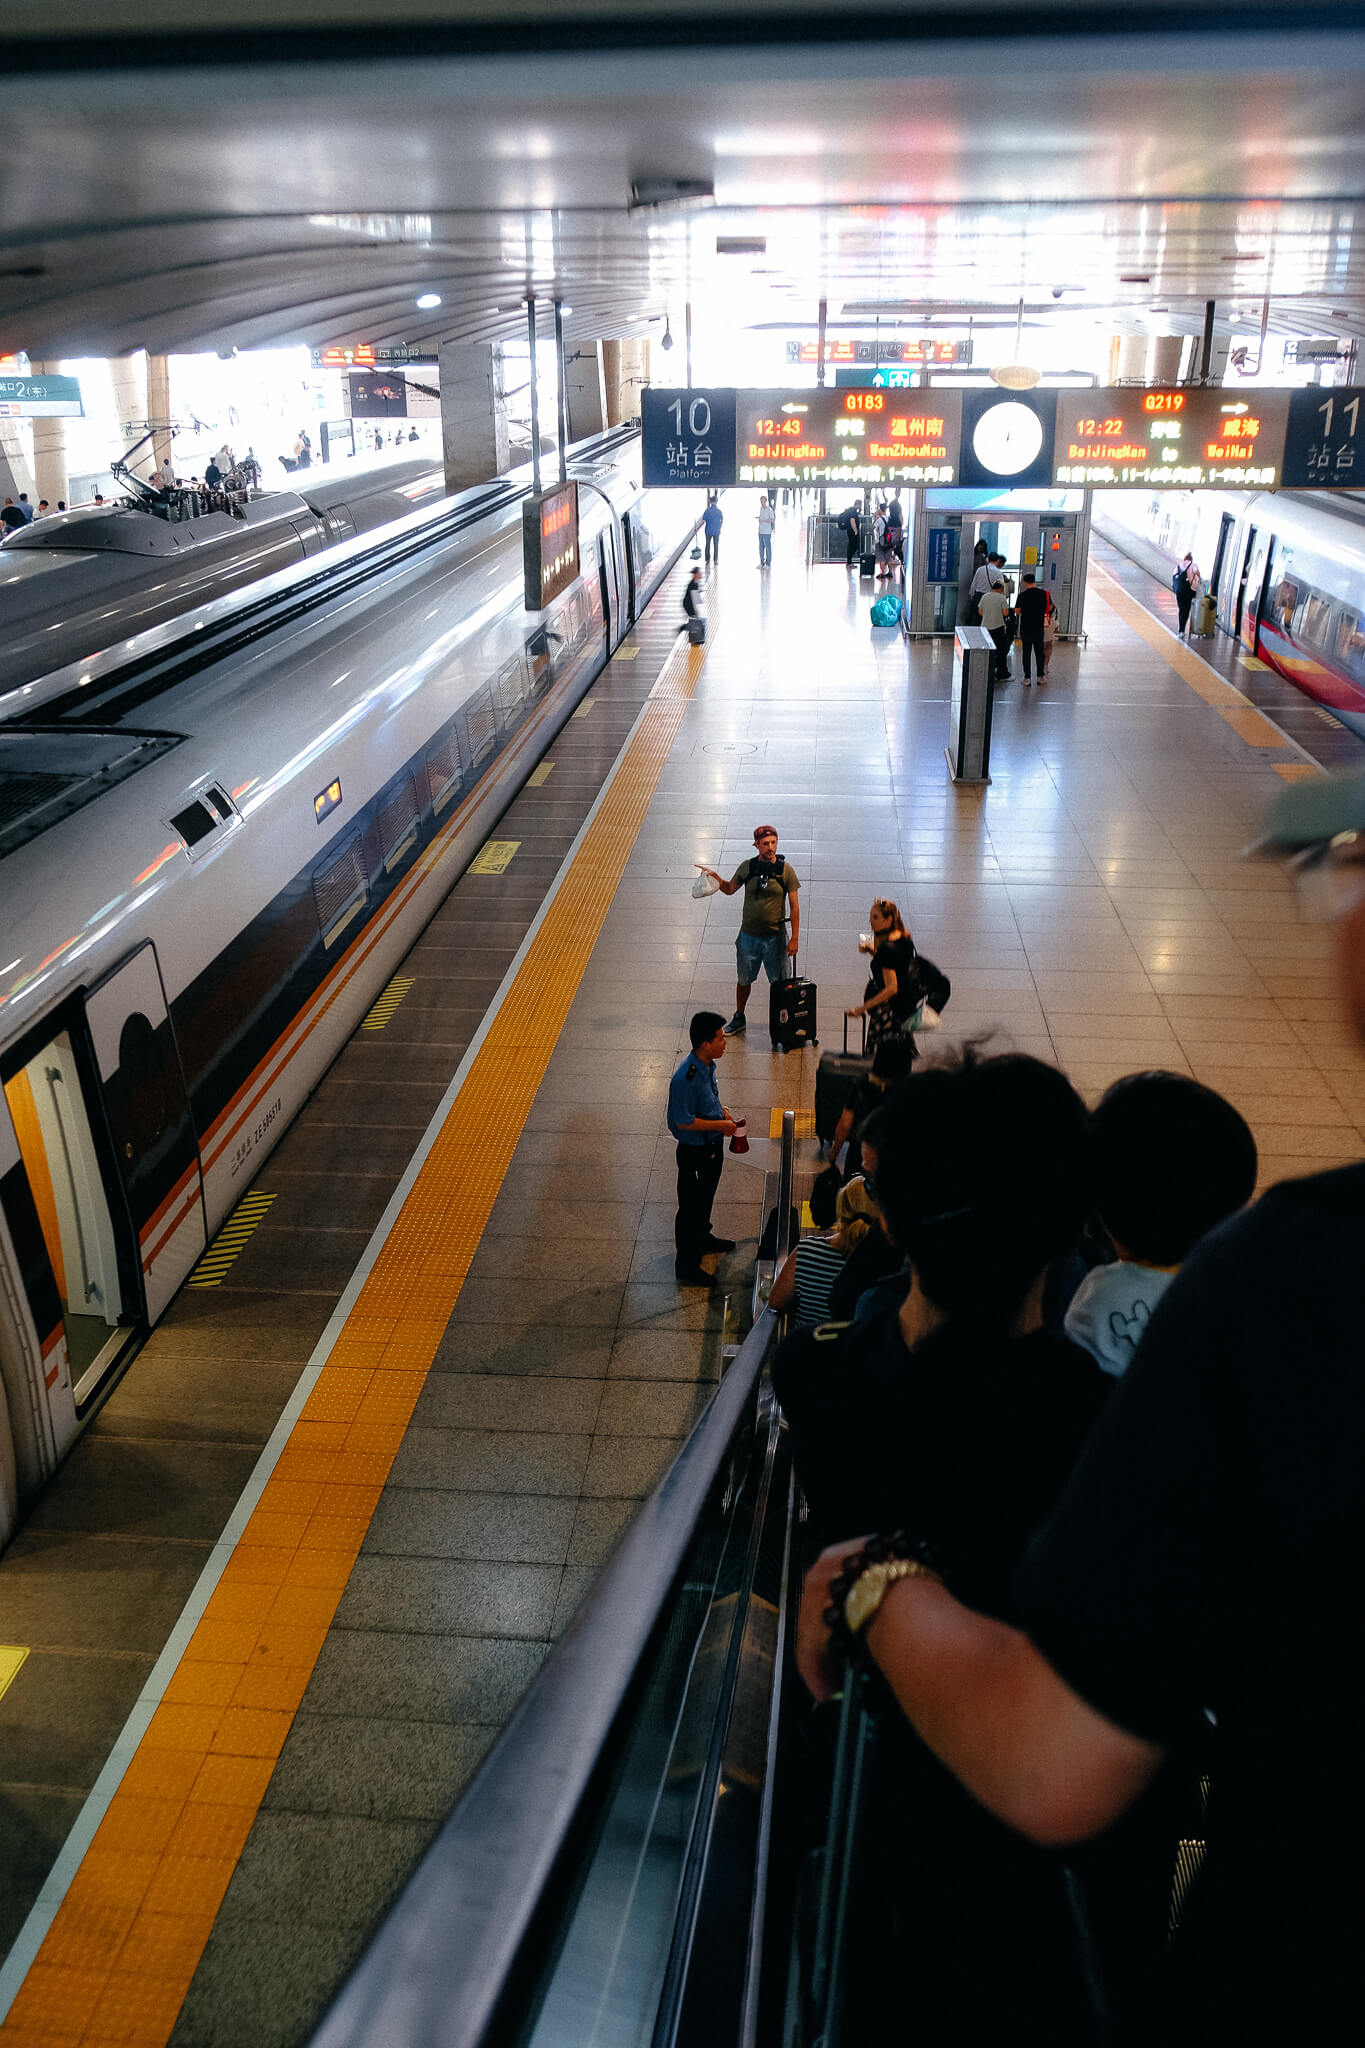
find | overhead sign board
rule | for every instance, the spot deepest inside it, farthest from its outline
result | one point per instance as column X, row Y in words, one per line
column 1172, row 439
column 549, row 544
column 916, row 353
column 844, row 437
column 1161, row 438
column 389, row 395
column 364, row 355
column 689, row 437
column 1325, row 351
column 40, row 397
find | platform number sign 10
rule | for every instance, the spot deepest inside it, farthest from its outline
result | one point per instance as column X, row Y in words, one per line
column 689, row 437
column 1324, row 445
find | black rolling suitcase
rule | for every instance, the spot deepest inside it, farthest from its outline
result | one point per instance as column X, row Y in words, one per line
column 791, row 1013
column 836, row 1077
column 696, row 632
column 867, row 565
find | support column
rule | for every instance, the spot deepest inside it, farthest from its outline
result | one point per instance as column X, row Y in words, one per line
column 634, row 376
column 129, row 374
column 611, row 380
column 1132, row 358
column 51, row 470
column 159, row 406
column 585, row 390
column 473, row 412
column 1164, row 355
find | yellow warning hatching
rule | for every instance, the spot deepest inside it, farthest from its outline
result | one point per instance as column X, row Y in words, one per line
column 387, row 1003
column 235, row 1233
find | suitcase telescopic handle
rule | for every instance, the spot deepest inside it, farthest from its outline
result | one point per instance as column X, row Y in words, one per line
column 863, row 1021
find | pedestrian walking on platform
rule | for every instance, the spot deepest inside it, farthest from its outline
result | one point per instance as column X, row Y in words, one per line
column 770, row 886
column 994, row 612
column 1033, row 609
column 711, row 523
column 700, row 1124
column 1187, row 584
column 767, row 520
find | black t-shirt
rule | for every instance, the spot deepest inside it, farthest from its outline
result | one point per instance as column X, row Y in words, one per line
column 1207, row 1555
column 12, row 517
column 872, row 1260
column 899, row 956
column 966, row 1440
column 1031, row 605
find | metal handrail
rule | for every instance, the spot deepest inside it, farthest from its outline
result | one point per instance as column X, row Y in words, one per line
column 441, row 1963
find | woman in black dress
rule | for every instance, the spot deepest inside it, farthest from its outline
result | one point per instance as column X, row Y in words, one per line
column 892, row 994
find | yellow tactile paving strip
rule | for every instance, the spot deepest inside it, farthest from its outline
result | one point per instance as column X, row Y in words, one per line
column 1225, row 698
column 127, row 1938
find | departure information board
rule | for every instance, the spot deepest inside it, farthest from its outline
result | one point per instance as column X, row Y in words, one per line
column 1171, row 439
column 847, row 437
column 918, row 353
column 549, row 544
column 1187, row 437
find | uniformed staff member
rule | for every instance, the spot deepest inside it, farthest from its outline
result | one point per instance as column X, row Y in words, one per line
column 700, row 1123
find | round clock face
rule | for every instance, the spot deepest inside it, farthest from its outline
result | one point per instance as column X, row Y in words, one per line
column 1007, row 438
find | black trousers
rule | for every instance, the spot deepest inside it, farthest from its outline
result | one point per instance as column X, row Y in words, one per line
column 698, row 1178
column 1184, row 598
column 1032, row 644
column 1000, row 667
column 713, row 547
column 852, row 555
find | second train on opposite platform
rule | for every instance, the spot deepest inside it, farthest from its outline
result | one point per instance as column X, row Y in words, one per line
column 1286, row 569
column 215, row 849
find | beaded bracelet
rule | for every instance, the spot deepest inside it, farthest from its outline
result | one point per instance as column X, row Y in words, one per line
column 916, row 1558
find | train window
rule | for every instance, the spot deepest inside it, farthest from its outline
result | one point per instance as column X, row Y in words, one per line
column 1317, row 619
column 194, row 823
column 1351, row 640
column 510, row 685
column 340, row 888
column 48, row 1107
column 481, row 724
column 399, row 818
column 444, row 770
column 542, row 666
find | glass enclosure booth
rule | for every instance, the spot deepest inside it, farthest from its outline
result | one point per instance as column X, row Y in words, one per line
column 953, row 530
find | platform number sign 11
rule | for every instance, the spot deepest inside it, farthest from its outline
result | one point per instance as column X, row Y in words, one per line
column 1325, row 443
column 689, row 437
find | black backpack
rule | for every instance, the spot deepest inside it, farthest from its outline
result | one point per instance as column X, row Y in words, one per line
column 1177, row 580
column 933, row 984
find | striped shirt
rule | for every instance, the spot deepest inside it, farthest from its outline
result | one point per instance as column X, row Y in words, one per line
column 818, row 1266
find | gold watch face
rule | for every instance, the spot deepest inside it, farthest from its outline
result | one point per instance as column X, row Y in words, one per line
column 866, row 1598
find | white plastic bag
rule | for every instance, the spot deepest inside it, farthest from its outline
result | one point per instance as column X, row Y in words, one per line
column 705, row 885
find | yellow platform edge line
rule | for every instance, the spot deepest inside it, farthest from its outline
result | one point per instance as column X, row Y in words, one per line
column 175, row 1827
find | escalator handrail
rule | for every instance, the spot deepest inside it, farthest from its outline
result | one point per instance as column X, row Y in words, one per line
column 440, row 1963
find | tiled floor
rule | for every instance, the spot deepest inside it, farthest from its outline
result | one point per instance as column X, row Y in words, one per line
column 1090, row 905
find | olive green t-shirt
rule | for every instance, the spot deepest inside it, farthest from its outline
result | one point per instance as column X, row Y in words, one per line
column 765, row 900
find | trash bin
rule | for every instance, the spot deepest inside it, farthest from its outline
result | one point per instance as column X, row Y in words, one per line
column 1202, row 616
column 970, row 706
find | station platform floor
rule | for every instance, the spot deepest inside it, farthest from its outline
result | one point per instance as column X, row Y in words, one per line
column 293, row 1582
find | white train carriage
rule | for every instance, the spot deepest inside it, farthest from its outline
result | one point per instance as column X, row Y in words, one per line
column 212, row 858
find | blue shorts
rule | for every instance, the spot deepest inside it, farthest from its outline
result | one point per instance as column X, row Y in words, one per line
column 752, row 953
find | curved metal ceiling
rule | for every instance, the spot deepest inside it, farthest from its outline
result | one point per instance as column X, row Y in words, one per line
column 202, row 189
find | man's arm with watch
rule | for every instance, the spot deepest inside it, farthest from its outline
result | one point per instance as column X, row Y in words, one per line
column 978, row 1693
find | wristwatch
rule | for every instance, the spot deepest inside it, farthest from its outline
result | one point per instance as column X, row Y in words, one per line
column 873, row 1584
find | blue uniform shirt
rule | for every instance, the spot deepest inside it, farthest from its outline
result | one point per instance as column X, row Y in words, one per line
column 693, row 1092
column 712, row 520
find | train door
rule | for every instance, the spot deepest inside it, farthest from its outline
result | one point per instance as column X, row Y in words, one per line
column 1251, row 589
column 609, row 610
column 79, row 1268
column 1220, row 553
column 147, row 1105
column 628, row 549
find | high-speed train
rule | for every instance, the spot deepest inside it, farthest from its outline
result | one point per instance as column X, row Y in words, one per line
column 1287, row 569
column 80, row 581
column 214, row 851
